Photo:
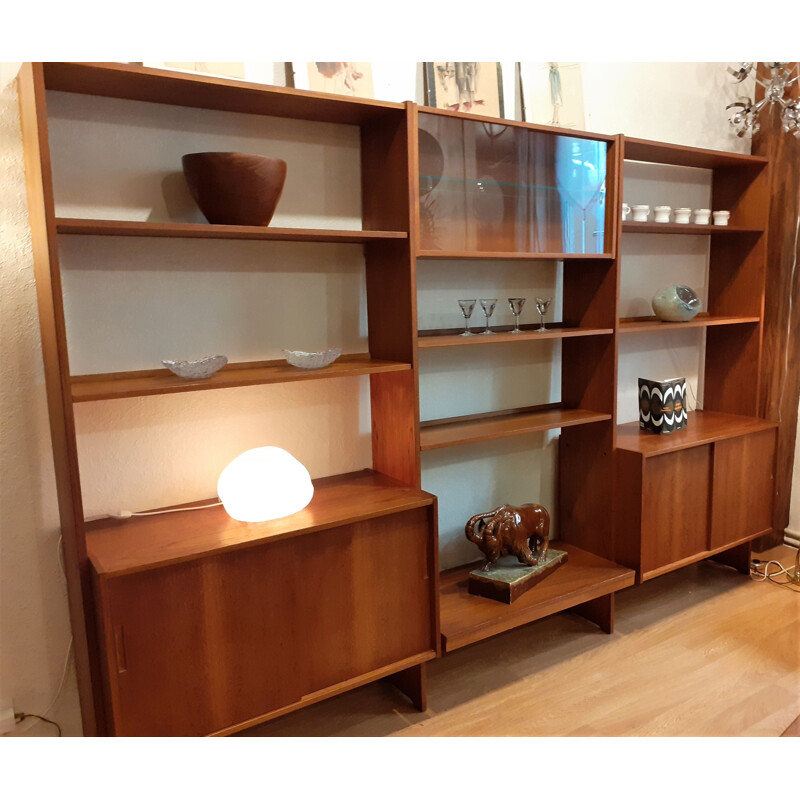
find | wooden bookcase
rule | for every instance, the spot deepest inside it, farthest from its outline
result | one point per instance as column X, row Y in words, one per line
column 390, row 635
column 116, row 572
column 707, row 489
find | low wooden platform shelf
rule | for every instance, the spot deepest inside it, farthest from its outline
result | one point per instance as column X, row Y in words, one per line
column 466, row 618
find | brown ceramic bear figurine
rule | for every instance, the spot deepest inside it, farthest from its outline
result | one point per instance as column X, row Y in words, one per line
column 510, row 530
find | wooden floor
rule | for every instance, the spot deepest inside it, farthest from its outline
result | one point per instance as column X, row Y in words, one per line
column 703, row 651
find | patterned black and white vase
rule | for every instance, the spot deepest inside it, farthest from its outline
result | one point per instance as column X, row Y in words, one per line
column 662, row 406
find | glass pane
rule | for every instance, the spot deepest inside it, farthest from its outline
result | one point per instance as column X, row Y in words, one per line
column 490, row 187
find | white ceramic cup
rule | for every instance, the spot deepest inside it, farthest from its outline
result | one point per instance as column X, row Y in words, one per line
column 721, row 217
column 640, row 213
column 626, row 209
column 662, row 213
column 682, row 215
column 701, row 216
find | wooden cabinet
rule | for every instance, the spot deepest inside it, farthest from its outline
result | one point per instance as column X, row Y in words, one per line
column 199, row 624
column 275, row 618
column 697, row 492
column 701, row 497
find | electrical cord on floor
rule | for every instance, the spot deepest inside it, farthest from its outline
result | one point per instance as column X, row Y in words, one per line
column 792, row 575
column 22, row 716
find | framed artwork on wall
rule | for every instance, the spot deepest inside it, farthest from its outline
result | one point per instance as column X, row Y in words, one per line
column 472, row 86
column 552, row 93
column 350, row 78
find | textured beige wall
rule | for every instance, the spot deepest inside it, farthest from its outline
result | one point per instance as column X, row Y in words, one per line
column 144, row 452
column 34, row 624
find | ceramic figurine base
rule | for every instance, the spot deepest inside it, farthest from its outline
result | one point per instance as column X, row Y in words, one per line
column 508, row 580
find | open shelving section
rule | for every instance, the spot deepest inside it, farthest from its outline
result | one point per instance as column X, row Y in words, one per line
column 500, row 193
column 120, row 675
column 158, row 599
column 708, row 489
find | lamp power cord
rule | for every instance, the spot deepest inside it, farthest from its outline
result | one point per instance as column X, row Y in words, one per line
column 775, row 572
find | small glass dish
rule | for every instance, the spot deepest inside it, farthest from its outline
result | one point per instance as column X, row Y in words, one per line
column 303, row 360
column 198, row 369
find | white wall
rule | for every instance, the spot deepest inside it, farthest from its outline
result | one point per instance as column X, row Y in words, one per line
column 151, row 451
column 34, row 624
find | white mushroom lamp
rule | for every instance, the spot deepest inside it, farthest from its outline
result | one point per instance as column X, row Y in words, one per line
column 263, row 484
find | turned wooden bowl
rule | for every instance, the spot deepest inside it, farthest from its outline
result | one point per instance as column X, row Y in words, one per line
column 235, row 188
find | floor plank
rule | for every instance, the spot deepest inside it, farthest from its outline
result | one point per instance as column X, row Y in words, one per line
column 702, row 651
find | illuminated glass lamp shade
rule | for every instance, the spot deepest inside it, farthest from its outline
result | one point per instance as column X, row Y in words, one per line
column 263, row 484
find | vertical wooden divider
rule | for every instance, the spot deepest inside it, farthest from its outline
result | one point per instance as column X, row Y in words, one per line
column 589, row 378
column 389, row 164
column 39, row 181
column 388, row 192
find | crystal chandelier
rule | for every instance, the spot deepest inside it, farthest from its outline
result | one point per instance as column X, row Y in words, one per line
column 744, row 118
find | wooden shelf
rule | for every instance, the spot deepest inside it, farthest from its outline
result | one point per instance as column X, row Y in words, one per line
column 689, row 228
column 109, row 386
column 187, row 230
column 435, row 434
column 467, row 618
column 198, row 91
column 683, row 156
column 645, row 324
column 512, row 256
column 119, row 547
column 704, row 427
column 502, row 334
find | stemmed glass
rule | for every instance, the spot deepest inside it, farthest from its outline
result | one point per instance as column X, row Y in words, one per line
column 542, row 304
column 488, row 309
column 467, row 307
column 515, row 304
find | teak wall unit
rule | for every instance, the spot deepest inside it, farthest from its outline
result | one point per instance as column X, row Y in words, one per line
column 377, row 527
column 698, row 492
column 210, row 628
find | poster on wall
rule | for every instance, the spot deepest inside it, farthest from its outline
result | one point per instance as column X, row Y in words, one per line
column 472, row 86
column 350, row 78
column 552, row 93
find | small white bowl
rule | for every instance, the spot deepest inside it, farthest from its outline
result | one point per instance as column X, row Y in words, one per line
column 640, row 213
column 701, row 216
column 721, row 217
column 299, row 358
column 662, row 213
column 682, row 215
column 196, row 370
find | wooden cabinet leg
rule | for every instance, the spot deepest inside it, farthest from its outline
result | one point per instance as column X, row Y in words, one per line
column 412, row 683
column 737, row 557
column 600, row 611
